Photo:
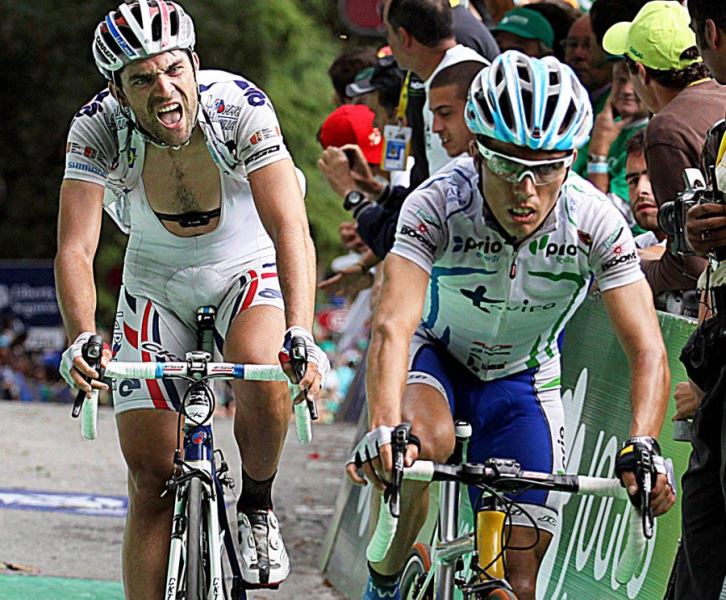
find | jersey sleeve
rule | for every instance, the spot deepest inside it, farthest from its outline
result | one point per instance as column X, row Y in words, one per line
column 91, row 147
column 259, row 137
column 614, row 256
column 421, row 232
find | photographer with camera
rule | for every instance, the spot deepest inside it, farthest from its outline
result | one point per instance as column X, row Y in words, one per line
column 700, row 566
column 669, row 76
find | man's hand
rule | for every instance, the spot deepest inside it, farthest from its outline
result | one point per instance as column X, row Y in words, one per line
column 316, row 370
column 687, row 401
column 706, row 227
column 348, row 231
column 606, row 128
column 73, row 367
column 348, row 282
column 361, row 171
column 373, row 455
column 334, row 166
column 628, row 461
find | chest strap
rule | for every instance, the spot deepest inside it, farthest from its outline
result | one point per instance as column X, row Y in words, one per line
column 192, row 218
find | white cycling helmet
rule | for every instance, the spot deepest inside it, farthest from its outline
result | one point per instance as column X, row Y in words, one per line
column 538, row 103
column 139, row 30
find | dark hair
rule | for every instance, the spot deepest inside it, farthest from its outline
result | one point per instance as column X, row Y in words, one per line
column 347, row 65
column 460, row 74
column 707, row 9
column 675, row 79
column 605, row 13
column 560, row 17
column 636, row 144
column 428, row 21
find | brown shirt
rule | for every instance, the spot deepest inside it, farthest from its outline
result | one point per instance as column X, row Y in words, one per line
column 673, row 141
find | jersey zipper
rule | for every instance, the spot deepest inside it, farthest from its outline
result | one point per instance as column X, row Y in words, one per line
column 513, row 267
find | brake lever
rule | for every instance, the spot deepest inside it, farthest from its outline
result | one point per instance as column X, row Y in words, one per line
column 299, row 360
column 399, row 443
column 91, row 352
column 646, row 474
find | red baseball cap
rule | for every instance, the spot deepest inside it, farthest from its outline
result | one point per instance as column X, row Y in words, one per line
column 352, row 124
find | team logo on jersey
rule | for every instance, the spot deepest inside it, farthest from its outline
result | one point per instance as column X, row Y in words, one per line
column 416, row 234
column 81, row 150
column 562, row 253
column 482, row 348
column 480, row 300
column 485, row 246
column 612, row 238
column 225, row 114
column 428, row 218
column 264, row 134
column 616, row 260
column 584, row 237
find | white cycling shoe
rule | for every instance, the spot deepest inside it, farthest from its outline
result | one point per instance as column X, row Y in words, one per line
column 264, row 559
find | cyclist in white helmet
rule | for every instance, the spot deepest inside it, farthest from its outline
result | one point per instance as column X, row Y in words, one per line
column 193, row 167
column 491, row 259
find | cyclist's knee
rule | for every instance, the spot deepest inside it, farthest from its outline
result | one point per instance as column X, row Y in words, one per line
column 146, row 482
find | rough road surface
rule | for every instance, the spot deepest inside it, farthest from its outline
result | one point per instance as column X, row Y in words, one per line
column 41, row 450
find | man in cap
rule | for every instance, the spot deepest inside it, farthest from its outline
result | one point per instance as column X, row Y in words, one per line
column 525, row 30
column 669, row 76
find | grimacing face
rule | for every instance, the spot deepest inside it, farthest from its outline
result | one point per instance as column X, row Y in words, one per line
column 162, row 92
column 521, row 207
column 447, row 106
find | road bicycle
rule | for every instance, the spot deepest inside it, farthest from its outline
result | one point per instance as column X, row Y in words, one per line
column 440, row 572
column 203, row 563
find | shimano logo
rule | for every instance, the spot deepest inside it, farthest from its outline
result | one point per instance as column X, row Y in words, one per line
column 487, row 246
column 413, row 233
column 625, row 258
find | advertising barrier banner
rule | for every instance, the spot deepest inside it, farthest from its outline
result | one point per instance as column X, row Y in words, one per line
column 581, row 560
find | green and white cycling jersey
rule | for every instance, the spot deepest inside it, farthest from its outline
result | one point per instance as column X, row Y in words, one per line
column 496, row 307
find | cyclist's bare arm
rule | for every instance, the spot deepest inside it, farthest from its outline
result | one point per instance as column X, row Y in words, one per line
column 632, row 314
column 281, row 207
column 79, row 229
column 396, row 317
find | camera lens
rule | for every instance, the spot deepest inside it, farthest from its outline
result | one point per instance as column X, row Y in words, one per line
column 667, row 217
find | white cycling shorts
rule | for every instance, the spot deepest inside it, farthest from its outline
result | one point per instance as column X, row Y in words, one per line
column 147, row 331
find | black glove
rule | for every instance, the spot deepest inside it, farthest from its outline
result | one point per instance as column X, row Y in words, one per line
column 641, row 455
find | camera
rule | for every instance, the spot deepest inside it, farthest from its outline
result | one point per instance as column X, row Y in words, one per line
column 672, row 215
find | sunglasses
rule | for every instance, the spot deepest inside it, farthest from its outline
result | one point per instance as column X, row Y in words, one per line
column 514, row 170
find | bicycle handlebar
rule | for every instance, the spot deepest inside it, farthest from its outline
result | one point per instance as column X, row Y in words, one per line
column 511, row 477
column 224, row 371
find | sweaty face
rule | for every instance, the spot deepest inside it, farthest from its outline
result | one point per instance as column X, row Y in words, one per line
column 162, row 92
column 521, row 207
column 446, row 104
column 640, row 192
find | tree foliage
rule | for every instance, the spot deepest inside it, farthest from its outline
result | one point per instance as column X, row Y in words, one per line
column 47, row 73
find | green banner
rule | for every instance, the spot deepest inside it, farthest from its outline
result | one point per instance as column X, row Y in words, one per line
column 582, row 559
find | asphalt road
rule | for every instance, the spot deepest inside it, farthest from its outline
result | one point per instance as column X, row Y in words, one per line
column 41, row 451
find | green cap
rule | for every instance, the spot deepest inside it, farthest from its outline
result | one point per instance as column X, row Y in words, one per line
column 528, row 24
column 657, row 37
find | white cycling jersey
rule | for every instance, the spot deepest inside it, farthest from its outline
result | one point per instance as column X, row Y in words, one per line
column 242, row 133
column 497, row 308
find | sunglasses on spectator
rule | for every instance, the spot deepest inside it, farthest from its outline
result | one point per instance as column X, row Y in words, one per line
column 514, row 170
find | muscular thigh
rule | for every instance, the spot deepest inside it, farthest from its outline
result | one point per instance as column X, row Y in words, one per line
column 148, row 439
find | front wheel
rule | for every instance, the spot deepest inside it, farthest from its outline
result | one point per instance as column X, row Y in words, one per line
column 413, row 576
column 196, row 577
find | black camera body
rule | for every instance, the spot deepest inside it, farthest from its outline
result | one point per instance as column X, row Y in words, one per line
column 672, row 215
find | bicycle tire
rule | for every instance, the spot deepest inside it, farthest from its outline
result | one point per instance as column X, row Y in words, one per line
column 417, row 565
column 195, row 574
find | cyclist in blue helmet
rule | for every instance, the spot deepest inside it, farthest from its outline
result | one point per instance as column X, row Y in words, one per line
column 492, row 258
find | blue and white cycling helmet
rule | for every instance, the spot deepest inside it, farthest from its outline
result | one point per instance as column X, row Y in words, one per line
column 538, row 103
column 139, row 30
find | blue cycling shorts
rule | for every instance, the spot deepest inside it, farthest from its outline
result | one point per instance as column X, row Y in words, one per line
column 519, row 417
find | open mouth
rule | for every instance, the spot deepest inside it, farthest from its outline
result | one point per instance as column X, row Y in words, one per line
column 522, row 214
column 170, row 115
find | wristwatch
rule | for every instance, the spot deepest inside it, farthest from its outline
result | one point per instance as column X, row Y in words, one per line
column 353, row 199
